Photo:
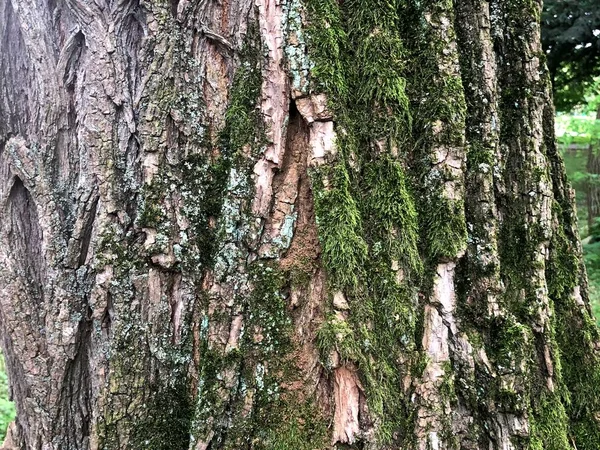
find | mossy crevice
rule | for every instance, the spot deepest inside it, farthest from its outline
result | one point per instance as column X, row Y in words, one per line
column 247, row 392
column 366, row 214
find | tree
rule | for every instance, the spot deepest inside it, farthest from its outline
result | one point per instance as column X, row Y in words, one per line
column 571, row 39
column 288, row 225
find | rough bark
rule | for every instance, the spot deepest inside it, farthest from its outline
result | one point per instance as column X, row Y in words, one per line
column 295, row 224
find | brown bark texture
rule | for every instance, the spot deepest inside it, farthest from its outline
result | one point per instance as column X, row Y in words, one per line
column 288, row 225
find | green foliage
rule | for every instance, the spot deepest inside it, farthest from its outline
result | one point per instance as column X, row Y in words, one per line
column 571, row 40
column 7, row 408
column 583, row 130
column 580, row 129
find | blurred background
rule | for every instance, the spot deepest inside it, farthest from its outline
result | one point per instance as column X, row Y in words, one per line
column 571, row 39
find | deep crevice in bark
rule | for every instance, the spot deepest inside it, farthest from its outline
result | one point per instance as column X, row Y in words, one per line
column 75, row 406
column 87, row 233
column 26, row 237
column 73, row 50
column 174, row 5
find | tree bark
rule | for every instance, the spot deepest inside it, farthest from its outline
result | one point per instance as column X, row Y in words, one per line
column 294, row 224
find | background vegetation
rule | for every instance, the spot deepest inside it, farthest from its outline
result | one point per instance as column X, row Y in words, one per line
column 7, row 408
column 578, row 132
column 571, row 39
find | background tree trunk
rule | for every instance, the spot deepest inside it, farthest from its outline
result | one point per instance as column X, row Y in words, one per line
column 593, row 186
column 300, row 224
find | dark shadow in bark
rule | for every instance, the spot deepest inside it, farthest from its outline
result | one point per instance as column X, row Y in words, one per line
column 107, row 317
column 73, row 50
column 174, row 6
column 87, row 234
column 25, row 237
column 74, row 412
column 132, row 37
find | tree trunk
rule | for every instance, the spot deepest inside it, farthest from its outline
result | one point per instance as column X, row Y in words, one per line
column 294, row 224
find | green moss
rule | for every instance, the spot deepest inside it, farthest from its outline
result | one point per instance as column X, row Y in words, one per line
column 242, row 399
column 151, row 214
column 267, row 313
column 327, row 39
column 155, row 409
column 511, row 349
column 446, row 228
column 571, row 419
column 447, row 387
column 511, row 342
column 243, row 121
column 340, row 226
column 301, row 271
column 367, row 216
column 562, row 269
column 168, row 427
column 390, row 212
column 293, row 424
column 337, row 334
column 151, row 408
column 438, row 110
column 549, row 425
column 265, row 367
column 576, row 336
